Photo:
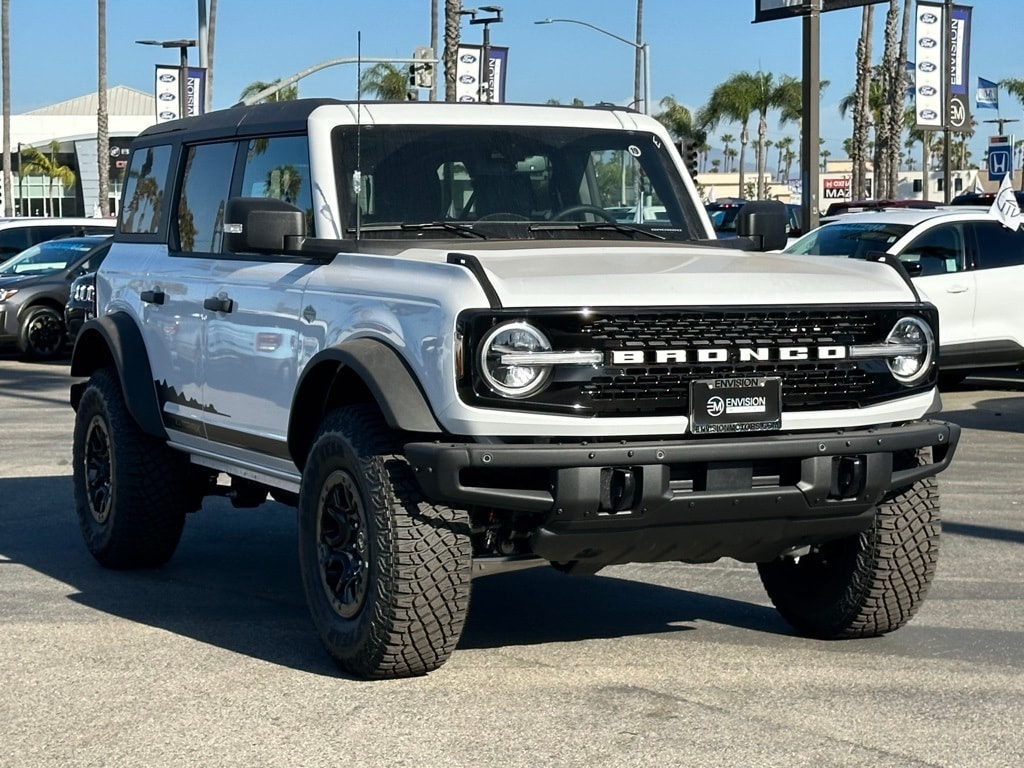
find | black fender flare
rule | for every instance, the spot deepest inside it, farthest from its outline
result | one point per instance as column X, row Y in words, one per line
column 116, row 339
column 384, row 373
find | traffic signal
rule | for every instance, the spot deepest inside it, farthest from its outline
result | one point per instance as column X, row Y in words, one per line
column 422, row 72
column 690, row 152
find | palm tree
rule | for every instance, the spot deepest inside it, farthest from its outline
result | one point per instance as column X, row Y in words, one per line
column 824, row 155
column 676, row 118
column 288, row 93
column 452, row 32
column 211, row 29
column 704, row 148
column 784, row 96
column 783, row 145
column 42, row 165
column 732, row 101
column 102, row 125
column 385, row 81
column 862, row 104
column 726, row 139
column 915, row 135
column 715, row 165
column 5, row 34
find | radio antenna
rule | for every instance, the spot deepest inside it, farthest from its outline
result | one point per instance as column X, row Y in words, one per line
column 357, row 174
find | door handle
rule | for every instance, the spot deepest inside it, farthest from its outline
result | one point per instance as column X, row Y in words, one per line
column 153, row 297
column 957, row 289
column 219, row 304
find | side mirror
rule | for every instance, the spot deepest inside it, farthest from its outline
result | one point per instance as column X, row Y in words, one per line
column 263, row 225
column 764, row 222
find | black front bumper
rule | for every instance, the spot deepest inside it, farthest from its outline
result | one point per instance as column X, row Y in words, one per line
column 696, row 500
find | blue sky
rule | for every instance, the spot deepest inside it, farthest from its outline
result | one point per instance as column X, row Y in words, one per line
column 694, row 45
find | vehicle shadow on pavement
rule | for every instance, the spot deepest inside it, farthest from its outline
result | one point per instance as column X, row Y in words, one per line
column 234, row 583
column 998, row 414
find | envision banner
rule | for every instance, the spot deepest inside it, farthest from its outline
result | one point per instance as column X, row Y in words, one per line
column 942, row 48
column 471, row 76
column 168, row 92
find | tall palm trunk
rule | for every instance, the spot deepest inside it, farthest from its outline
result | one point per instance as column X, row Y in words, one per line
column 744, row 140
column 102, row 127
column 862, row 109
column 452, row 20
column 886, row 135
column 5, row 44
column 433, row 45
column 211, row 29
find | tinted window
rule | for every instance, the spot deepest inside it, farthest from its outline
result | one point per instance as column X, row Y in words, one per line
column 204, row 193
column 853, row 240
column 144, row 187
column 279, row 168
column 14, row 240
column 999, row 246
column 939, row 251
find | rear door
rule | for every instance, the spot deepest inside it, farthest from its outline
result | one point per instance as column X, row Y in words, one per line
column 999, row 275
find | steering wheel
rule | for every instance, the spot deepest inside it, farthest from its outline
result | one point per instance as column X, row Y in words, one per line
column 599, row 212
column 503, row 216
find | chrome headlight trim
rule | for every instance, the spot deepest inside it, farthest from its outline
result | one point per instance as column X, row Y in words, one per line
column 507, row 362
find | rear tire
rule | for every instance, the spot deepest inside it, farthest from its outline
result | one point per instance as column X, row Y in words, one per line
column 131, row 490
column 864, row 585
column 386, row 573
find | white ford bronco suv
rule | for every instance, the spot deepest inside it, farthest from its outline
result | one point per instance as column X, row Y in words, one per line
column 462, row 337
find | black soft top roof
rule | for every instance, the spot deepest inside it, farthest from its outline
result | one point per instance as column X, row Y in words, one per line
column 239, row 120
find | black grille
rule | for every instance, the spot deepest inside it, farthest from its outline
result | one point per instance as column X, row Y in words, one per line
column 652, row 388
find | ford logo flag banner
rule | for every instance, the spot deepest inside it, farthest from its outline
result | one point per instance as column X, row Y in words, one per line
column 942, row 47
column 168, row 92
column 476, row 82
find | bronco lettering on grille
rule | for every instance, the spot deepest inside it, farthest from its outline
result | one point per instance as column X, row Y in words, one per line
column 726, row 355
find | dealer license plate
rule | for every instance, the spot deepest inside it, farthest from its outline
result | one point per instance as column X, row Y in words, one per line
column 740, row 404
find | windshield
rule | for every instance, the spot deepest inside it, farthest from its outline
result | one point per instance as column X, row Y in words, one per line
column 855, row 240
column 723, row 218
column 46, row 258
column 511, row 182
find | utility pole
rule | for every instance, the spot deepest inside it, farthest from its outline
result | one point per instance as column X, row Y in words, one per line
column 810, row 93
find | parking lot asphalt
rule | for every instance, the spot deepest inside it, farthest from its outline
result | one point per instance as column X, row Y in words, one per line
column 212, row 661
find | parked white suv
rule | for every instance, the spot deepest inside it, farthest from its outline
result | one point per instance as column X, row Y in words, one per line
column 962, row 259
column 424, row 326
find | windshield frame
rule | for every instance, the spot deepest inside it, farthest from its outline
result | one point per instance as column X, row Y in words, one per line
column 562, row 157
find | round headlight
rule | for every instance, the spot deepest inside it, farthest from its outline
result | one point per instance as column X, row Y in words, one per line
column 913, row 334
column 502, row 362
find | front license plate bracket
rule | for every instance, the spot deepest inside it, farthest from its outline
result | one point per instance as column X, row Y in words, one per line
column 736, row 404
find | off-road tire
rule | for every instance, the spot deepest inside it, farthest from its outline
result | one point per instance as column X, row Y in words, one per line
column 386, row 573
column 864, row 585
column 43, row 335
column 131, row 490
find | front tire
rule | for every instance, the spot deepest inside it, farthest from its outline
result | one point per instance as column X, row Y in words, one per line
column 43, row 334
column 864, row 585
column 131, row 490
column 386, row 573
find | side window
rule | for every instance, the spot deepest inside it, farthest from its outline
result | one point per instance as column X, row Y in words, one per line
column 998, row 246
column 279, row 167
column 204, row 194
column 143, row 196
column 939, row 251
column 13, row 240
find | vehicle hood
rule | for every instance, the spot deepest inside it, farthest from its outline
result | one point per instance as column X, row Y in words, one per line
column 670, row 276
column 31, row 281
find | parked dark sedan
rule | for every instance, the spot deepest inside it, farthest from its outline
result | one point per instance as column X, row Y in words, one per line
column 34, row 289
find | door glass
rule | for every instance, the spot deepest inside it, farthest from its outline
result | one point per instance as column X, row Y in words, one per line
column 144, row 190
column 999, row 246
column 279, row 167
column 204, row 193
column 939, row 251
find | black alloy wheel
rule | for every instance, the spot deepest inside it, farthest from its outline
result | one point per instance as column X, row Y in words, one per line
column 341, row 536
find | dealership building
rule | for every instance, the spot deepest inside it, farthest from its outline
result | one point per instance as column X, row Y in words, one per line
column 66, row 133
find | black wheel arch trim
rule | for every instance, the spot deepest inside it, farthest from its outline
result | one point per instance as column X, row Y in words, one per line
column 386, row 375
column 116, row 338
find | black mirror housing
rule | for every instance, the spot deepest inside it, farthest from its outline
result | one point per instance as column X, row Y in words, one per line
column 764, row 222
column 263, row 225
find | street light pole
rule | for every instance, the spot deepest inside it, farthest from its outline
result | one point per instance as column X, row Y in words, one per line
column 644, row 48
column 182, row 45
column 487, row 85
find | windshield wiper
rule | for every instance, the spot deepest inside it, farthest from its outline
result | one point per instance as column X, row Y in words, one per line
column 462, row 230
column 592, row 226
